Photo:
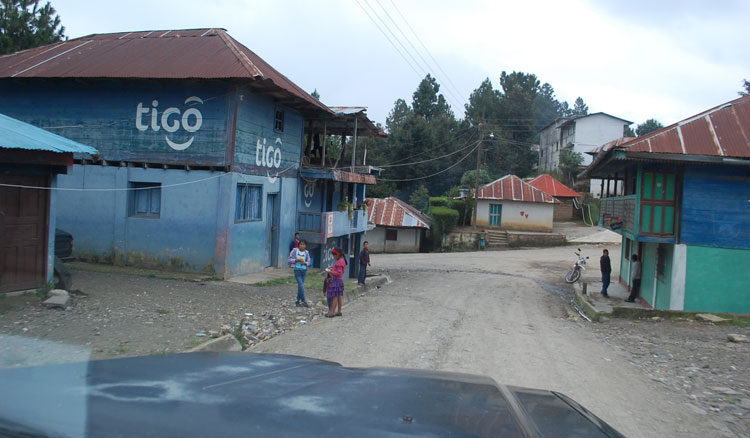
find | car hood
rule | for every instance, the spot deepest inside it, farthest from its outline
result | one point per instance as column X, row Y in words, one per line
column 225, row 394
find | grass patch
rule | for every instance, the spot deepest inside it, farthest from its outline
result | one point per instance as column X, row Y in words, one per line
column 162, row 311
column 283, row 281
column 237, row 333
column 196, row 342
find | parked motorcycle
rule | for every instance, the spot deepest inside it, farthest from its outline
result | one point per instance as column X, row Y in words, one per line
column 575, row 272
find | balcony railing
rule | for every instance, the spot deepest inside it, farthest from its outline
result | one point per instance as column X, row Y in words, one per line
column 618, row 213
column 317, row 227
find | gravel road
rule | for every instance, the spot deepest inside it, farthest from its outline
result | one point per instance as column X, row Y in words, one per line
column 487, row 313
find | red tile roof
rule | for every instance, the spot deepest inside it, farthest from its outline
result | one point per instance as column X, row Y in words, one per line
column 553, row 187
column 164, row 54
column 512, row 188
column 393, row 212
column 721, row 131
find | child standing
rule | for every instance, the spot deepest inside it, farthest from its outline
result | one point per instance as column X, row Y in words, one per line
column 299, row 259
column 335, row 292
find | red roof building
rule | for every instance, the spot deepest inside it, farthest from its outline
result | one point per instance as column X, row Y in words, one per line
column 513, row 204
column 512, row 188
column 551, row 186
column 399, row 227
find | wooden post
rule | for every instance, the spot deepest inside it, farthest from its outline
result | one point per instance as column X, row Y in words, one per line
column 354, row 147
column 476, row 190
column 325, row 142
column 341, row 152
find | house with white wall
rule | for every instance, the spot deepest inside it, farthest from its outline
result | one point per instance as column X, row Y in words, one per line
column 513, row 204
column 398, row 226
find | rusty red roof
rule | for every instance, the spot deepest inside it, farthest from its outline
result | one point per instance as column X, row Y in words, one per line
column 609, row 145
column 393, row 212
column 549, row 185
column 512, row 188
column 722, row 131
column 209, row 53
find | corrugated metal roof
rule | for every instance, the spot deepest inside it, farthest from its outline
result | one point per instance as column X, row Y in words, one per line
column 723, row 131
column 609, row 145
column 15, row 134
column 553, row 187
column 512, row 188
column 393, row 212
column 164, row 54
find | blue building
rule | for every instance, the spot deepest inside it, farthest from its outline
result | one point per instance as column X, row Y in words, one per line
column 200, row 141
column 680, row 198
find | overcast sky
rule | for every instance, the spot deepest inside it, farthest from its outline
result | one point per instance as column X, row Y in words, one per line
column 634, row 59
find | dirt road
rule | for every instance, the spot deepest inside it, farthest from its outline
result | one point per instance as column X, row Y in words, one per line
column 488, row 313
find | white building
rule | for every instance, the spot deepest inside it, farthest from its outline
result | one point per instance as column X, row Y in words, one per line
column 585, row 132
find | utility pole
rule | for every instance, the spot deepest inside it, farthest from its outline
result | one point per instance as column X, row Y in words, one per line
column 479, row 162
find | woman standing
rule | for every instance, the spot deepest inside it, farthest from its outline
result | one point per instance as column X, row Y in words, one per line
column 335, row 292
column 299, row 259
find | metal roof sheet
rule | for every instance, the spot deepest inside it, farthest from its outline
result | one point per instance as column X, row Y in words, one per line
column 393, row 212
column 15, row 134
column 209, row 53
column 722, row 131
column 553, row 187
column 512, row 188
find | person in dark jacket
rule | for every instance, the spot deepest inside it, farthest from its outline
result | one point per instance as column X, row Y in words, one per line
column 606, row 268
column 295, row 242
column 364, row 262
column 635, row 269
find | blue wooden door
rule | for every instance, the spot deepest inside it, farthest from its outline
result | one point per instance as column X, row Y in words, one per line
column 496, row 212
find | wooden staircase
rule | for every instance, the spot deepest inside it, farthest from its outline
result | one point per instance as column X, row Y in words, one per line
column 496, row 239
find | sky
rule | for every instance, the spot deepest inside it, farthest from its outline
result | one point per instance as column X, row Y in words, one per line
column 634, row 59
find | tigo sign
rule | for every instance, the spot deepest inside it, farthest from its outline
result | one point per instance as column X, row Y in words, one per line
column 171, row 120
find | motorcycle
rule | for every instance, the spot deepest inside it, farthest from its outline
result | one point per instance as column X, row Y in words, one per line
column 575, row 272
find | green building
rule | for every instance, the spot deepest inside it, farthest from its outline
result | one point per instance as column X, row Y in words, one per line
column 680, row 198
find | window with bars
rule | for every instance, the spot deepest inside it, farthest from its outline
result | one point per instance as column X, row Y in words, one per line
column 249, row 203
column 145, row 200
column 391, row 234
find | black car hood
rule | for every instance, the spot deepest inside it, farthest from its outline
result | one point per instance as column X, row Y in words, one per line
column 225, row 394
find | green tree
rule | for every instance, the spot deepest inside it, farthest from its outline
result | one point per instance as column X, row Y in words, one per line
column 427, row 100
column 469, row 178
column 628, row 131
column 570, row 163
column 746, row 86
column 24, row 25
column 580, row 108
column 546, row 107
column 315, row 94
column 420, row 198
column 649, row 125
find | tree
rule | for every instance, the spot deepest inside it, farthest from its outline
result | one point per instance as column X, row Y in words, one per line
column 628, row 131
column 570, row 163
column 24, row 25
column 427, row 101
column 546, row 107
column 580, row 108
column 746, row 86
column 315, row 94
column 649, row 125
column 469, row 178
column 420, row 199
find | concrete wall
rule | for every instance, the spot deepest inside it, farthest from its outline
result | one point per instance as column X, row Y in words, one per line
column 563, row 211
column 409, row 240
column 522, row 216
column 717, row 279
column 594, row 131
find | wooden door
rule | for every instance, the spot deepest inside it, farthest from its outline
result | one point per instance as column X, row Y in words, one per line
column 24, row 221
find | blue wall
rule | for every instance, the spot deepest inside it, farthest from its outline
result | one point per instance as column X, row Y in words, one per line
column 182, row 237
column 715, row 207
column 105, row 114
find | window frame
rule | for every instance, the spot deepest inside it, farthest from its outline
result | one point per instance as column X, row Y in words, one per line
column 391, row 232
column 147, row 189
column 278, row 122
column 243, row 190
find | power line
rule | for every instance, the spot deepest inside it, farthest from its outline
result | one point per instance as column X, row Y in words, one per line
column 436, row 173
column 426, row 49
column 431, row 149
column 458, row 99
column 427, row 160
column 388, row 38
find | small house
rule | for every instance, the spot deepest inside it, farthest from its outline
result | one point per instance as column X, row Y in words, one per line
column 680, row 199
column 564, row 209
column 30, row 161
column 399, row 227
column 513, row 204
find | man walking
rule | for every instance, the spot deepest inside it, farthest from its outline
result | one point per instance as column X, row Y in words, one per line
column 635, row 288
column 364, row 262
column 606, row 268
